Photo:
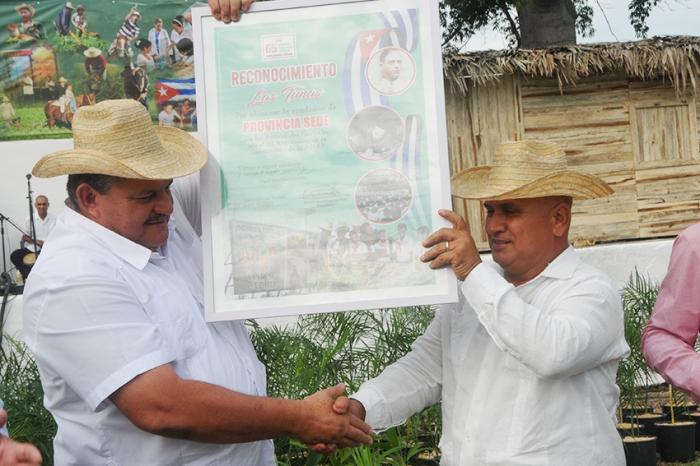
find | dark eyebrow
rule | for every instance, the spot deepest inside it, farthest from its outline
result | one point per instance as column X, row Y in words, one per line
column 148, row 192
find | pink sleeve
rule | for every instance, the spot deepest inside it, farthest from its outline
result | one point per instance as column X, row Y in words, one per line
column 668, row 339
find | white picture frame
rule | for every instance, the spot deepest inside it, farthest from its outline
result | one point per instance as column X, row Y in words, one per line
column 309, row 150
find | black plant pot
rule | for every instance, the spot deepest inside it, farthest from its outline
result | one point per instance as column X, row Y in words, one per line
column 626, row 429
column 647, row 421
column 696, row 417
column 629, row 413
column 640, row 451
column 682, row 413
column 676, row 441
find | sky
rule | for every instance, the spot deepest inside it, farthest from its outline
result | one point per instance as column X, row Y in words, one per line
column 669, row 17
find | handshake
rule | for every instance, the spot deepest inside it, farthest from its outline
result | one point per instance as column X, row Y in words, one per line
column 329, row 420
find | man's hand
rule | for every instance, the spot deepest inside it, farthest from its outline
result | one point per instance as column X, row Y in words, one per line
column 16, row 453
column 342, row 405
column 322, row 425
column 229, row 10
column 452, row 246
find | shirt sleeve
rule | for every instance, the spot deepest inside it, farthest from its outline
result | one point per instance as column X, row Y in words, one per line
column 581, row 330
column 407, row 386
column 96, row 336
column 668, row 340
column 3, row 428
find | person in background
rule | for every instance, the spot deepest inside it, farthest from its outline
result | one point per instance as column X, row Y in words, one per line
column 161, row 42
column 178, row 33
column 144, row 59
column 167, row 116
column 95, row 63
column 79, row 20
column 535, row 336
column 43, row 224
column 27, row 26
column 13, row 453
column 128, row 32
column 668, row 340
column 7, row 112
column 62, row 21
column 67, row 101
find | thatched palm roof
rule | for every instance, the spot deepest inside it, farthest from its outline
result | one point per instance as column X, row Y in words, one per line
column 676, row 58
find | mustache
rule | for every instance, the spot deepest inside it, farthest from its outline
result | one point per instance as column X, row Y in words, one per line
column 158, row 218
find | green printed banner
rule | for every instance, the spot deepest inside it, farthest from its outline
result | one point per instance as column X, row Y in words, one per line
column 56, row 56
column 330, row 146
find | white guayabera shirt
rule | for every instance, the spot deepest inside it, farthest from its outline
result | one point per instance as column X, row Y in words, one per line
column 526, row 374
column 99, row 310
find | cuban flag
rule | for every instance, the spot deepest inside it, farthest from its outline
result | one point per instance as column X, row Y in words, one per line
column 408, row 161
column 400, row 30
column 404, row 25
column 174, row 90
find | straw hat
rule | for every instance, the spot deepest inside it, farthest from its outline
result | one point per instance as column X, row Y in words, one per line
column 25, row 6
column 62, row 80
column 118, row 138
column 92, row 52
column 527, row 169
column 70, row 6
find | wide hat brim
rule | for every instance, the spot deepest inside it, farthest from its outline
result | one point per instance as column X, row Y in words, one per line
column 499, row 183
column 180, row 154
column 25, row 6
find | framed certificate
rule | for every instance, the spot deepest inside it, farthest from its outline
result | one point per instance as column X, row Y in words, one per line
column 328, row 157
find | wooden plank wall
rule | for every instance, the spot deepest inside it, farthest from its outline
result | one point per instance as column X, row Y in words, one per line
column 641, row 138
column 664, row 127
column 476, row 124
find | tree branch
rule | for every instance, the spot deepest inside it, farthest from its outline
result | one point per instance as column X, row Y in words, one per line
column 514, row 27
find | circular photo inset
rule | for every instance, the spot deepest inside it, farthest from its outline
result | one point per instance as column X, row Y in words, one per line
column 383, row 195
column 391, row 70
column 375, row 133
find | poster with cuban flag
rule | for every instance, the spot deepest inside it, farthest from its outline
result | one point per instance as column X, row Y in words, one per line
column 326, row 129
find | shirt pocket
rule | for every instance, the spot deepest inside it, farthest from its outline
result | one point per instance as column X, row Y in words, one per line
column 178, row 324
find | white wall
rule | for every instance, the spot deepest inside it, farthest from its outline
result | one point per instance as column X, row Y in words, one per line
column 16, row 160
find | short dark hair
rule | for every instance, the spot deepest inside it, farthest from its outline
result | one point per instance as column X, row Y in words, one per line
column 98, row 182
column 384, row 52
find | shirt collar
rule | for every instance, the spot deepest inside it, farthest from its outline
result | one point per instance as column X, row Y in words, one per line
column 563, row 266
column 124, row 248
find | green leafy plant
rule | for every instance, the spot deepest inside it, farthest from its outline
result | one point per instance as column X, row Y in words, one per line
column 73, row 42
column 21, row 391
column 323, row 349
column 638, row 298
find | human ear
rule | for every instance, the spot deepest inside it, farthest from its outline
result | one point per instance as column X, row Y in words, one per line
column 561, row 219
column 88, row 204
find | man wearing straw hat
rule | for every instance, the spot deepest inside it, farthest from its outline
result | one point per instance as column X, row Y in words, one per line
column 113, row 313
column 27, row 26
column 525, row 363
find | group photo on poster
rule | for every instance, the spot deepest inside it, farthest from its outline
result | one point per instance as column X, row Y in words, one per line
column 58, row 56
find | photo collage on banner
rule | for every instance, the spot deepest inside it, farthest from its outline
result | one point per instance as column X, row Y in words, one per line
column 56, row 56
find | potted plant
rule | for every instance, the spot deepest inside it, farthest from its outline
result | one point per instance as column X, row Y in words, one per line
column 676, row 437
column 638, row 297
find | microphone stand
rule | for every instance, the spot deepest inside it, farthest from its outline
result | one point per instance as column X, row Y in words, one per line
column 32, row 228
column 4, row 218
column 2, row 238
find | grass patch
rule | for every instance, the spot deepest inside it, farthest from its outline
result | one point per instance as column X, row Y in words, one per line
column 31, row 125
